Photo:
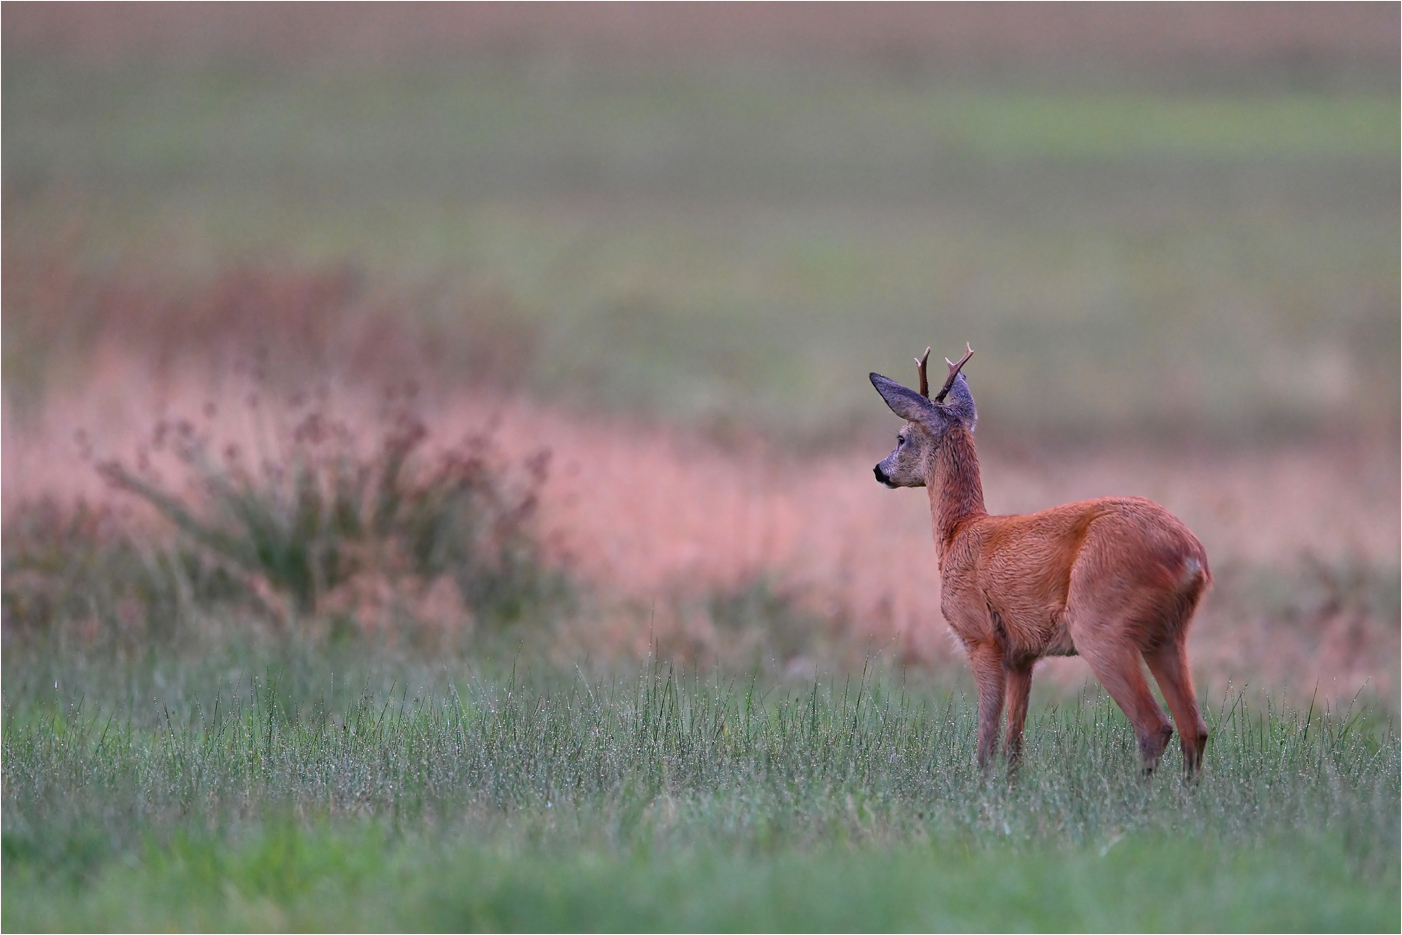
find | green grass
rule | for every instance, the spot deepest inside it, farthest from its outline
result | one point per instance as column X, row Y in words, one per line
column 745, row 246
column 320, row 789
column 363, row 878
column 135, row 125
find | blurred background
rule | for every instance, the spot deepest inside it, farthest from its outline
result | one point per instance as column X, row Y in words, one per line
column 666, row 243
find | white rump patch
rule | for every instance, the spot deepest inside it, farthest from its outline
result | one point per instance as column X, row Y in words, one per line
column 1192, row 570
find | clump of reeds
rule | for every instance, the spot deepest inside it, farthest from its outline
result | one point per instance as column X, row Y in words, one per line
column 321, row 525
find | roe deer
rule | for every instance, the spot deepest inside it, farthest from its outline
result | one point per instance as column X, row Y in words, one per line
column 1113, row 580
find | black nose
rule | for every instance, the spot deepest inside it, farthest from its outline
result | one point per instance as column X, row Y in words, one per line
column 881, row 475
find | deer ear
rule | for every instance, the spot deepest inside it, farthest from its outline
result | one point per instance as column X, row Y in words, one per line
column 907, row 404
column 960, row 402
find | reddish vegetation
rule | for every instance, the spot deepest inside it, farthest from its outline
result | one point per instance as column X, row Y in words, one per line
column 660, row 521
column 905, row 35
column 283, row 323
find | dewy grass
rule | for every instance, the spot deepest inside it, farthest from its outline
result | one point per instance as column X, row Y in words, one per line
column 288, row 795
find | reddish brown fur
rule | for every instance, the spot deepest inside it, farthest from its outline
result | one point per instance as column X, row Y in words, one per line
column 1114, row 580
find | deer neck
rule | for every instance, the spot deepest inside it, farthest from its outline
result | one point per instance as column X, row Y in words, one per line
column 956, row 491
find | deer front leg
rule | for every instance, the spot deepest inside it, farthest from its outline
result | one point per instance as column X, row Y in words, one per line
column 1019, row 686
column 989, row 674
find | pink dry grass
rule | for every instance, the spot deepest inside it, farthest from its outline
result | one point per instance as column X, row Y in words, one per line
column 657, row 519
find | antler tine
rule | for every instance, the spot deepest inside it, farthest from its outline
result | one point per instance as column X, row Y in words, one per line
column 922, row 363
column 954, row 371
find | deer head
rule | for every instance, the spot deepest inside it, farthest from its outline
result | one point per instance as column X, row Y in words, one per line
column 928, row 421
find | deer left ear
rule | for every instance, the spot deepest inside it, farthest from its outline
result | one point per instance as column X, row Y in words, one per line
column 960, row 402
column 907, row 404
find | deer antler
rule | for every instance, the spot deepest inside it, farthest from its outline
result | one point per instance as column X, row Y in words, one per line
column 922, row 363
column 953, row 372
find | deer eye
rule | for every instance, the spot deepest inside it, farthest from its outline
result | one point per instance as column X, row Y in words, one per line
column 900, row 439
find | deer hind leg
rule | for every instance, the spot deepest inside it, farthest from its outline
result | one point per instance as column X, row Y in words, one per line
column 1169, row 663
column 1019, row 685
column 1119, row 669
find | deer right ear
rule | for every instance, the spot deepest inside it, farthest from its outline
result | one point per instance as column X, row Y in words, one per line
column 960, row 402
column 907, row 404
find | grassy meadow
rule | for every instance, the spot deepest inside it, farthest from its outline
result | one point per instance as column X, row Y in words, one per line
column 437, row 491
column 331, row 792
